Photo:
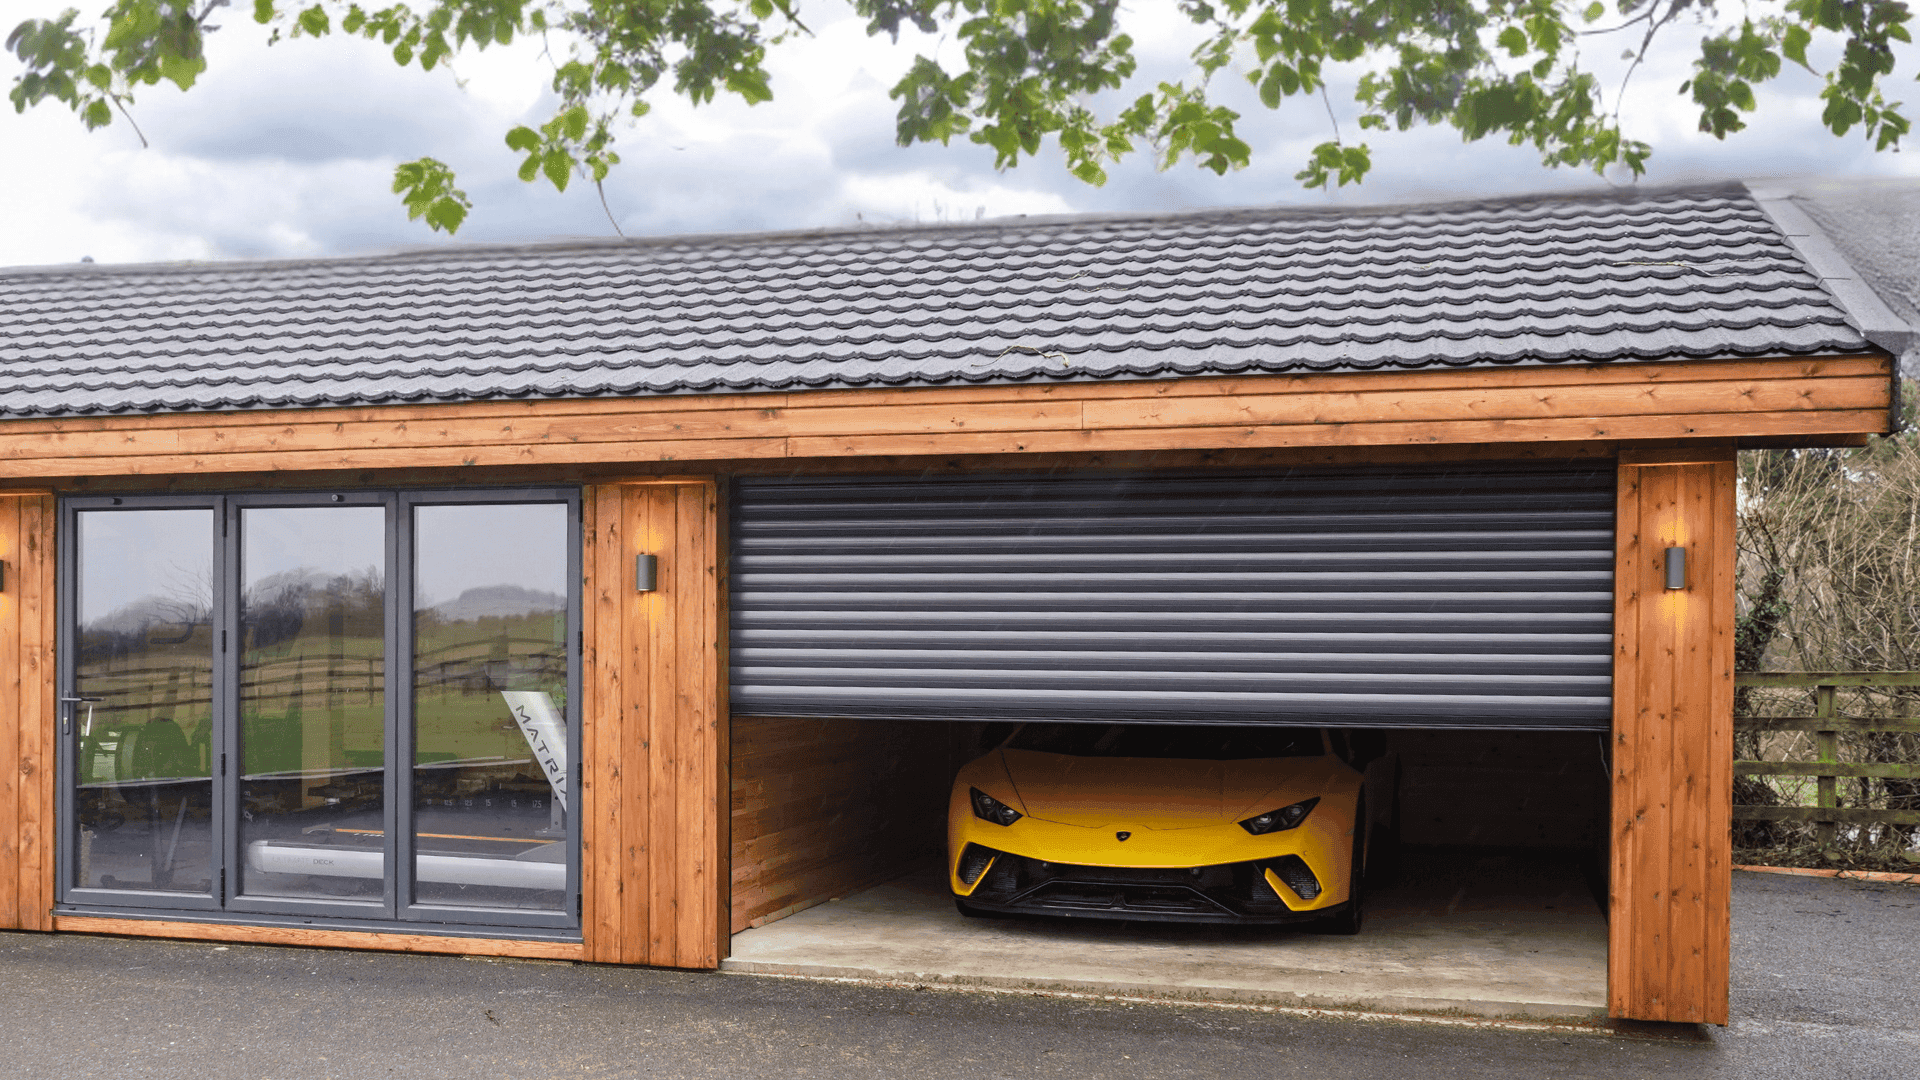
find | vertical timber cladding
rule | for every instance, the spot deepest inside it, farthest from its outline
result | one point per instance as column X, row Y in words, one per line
column 1671, row 878
column 1456, row 597
column 27, row 749
column 653, row 831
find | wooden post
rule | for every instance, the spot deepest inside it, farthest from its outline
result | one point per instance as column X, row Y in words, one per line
column 1826, row 751
column 653, row 844
column 1671, row 879
column 27, row 749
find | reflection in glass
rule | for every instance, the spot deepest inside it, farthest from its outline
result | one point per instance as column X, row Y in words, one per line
column 313, row 701
column 490, row 681
column 143, row 749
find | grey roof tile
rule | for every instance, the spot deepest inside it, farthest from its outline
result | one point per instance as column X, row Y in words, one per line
column 1640, row 276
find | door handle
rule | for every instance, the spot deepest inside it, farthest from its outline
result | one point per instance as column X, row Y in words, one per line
column 66, row 716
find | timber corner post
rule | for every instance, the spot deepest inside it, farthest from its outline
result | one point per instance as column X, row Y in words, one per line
column 654, row 783
column 27, row 710
column 1670, row 880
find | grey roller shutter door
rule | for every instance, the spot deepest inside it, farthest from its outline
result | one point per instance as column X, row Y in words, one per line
column 1442, row 598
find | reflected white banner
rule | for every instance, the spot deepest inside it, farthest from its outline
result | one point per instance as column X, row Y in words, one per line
column 546, row 735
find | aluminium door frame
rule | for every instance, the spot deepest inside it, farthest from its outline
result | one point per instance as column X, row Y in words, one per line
column 231, row 539
column 66, row 669
column 396, row 912
column 409, row 911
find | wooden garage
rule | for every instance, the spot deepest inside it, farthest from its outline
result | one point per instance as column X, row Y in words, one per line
column 385, row 603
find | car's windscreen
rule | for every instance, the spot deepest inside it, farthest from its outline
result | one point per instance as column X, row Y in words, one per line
column 1169, row 741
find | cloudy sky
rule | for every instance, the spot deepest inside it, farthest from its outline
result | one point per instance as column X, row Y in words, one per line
column 289, row 151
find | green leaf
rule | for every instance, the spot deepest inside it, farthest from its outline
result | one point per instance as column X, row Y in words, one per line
column 524, row 139
column 426, row 187
column 98, row 114
column 557, row 164
column 1514, row 40
column 446, row 215
column 314, row 20
column 180, row 70
column 1594, row 11
column 263, row 11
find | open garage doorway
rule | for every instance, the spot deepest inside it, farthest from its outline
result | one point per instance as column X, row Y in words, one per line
column 1451, row 625
column 1485, row 896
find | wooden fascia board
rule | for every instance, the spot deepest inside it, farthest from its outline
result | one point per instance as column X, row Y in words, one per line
column 1818, row 399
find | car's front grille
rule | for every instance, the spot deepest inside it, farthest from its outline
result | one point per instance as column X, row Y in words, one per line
column 1121, row 899
column 1226, row 890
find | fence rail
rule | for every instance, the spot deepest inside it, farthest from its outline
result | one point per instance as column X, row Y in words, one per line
column 1826, row 726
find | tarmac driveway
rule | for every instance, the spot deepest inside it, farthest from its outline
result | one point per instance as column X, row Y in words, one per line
column 1826, row 984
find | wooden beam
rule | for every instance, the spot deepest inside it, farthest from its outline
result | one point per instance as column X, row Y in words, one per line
column 1827, row 678
column 26, row 711
column 1795, row 398
column 1848, row 815
column 324, row 939
column 604, row 860
column 1671, row 884
column 11, row 720
column 1825, row 723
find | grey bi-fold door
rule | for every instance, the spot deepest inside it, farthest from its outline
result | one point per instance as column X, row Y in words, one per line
column 1442, row 598
column 358, row 707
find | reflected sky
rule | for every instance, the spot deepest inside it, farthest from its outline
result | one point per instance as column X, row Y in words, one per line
column 339, row 539
column 466, row 547
column 133, row 555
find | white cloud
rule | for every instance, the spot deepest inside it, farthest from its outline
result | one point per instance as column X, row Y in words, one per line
column 289, row 151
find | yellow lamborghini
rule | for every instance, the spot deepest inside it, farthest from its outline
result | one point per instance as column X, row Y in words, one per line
column 1150, row 822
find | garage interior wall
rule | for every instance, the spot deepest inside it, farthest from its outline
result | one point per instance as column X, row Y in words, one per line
column 1502, row 789
column 1672, row 752
column 825, row 808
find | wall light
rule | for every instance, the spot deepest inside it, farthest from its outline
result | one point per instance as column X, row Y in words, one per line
column 646, row 573
column 1676, row 568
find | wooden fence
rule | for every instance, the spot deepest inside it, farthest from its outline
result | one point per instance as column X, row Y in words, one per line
column 1826, row 725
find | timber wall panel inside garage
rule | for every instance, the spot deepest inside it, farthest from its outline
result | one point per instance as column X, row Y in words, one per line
column 825, row 808
column 1460, row 597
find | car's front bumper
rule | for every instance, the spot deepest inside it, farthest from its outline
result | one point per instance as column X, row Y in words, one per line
column 1243, row 892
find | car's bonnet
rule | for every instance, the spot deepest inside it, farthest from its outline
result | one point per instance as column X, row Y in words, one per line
column 1152, row 793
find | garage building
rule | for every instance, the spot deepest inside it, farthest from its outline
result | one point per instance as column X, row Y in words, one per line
column 640, row 554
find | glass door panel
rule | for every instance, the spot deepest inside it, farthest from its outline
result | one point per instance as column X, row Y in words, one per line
column 490, row 600
column 140, row 713
column 312, row 702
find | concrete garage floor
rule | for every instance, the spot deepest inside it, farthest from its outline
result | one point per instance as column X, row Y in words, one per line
column 1460, row 933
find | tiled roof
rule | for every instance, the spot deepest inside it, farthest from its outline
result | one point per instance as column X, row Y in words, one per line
column 1632, row 276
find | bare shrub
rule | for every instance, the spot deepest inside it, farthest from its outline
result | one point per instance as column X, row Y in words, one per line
column 1829, row 580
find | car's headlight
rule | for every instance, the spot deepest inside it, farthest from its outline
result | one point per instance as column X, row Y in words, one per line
column 988, row 808
column 1287, row 817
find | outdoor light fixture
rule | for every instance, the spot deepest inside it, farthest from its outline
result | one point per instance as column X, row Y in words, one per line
column 1676, row 568
column 646, row 573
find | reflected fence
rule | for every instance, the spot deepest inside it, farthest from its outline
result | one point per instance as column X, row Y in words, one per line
column 137, row 692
